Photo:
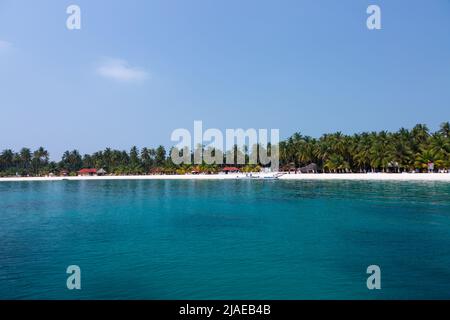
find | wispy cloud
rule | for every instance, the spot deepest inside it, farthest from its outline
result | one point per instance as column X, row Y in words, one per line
column 120, row 70
column 5, row 45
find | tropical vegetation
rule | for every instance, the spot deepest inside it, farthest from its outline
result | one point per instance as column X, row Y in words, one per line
column 401, row 151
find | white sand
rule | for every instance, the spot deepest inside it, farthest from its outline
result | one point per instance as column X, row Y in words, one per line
column 327, row 176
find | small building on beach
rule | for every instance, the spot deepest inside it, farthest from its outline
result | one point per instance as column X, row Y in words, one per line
column 310, row 168
column 290, row 167
column 228, row 170
column 101, row 172
column 87, row 172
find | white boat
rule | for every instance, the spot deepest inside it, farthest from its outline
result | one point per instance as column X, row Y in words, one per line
column 271, row 177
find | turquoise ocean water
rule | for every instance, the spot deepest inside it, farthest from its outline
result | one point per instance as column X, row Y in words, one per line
column 224, row 239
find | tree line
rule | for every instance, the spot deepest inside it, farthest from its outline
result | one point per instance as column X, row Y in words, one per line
column 401, row 151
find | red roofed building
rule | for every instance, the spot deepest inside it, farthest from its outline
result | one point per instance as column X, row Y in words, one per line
column 87, row 172
column 230, row 170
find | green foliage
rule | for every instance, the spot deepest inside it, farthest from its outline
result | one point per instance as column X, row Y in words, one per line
column 404, row 150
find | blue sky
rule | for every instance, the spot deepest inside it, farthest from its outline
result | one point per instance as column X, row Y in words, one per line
column 137, row 70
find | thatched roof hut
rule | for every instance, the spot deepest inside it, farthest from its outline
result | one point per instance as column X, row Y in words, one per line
column 310, row 168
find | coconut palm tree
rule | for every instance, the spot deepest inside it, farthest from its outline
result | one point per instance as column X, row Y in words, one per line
column 305, row 151
column 361, row 151
column 423, row 158
column 382, row 151
column 146, row 159
column 6, row 159
column 25, row 158
column 337, row 163
column 403, row 154
column 39, row 160
column 445, row 129
column 71, row 161
column 420, row 134
column 439, row 146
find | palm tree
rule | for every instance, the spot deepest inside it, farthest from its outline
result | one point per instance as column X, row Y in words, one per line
column 337, row 163
column 135, row 161
column 88, row 162
column 72, row 161
column 445, row 129
column 339, row 143
column 420, row 134
column 382, row 151
column 423, row 158
column 439, row 146
column 160, row 156
column 146, row 159
column 7, row 159
column 323, row 149
column 107, row 159
column 403, row 153
column 305, row 151
column 39, row 159
column 361, row 151
column 25, row 158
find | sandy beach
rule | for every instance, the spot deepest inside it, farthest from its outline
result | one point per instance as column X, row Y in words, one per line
column 326, row 176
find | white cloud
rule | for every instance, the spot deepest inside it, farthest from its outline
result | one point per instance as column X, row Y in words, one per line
column 5, row 45
column 120, row 70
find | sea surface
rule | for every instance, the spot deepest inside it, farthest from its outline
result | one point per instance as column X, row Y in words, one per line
column 224, row 239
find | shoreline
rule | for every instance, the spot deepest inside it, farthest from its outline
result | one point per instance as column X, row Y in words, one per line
column 445, row 177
